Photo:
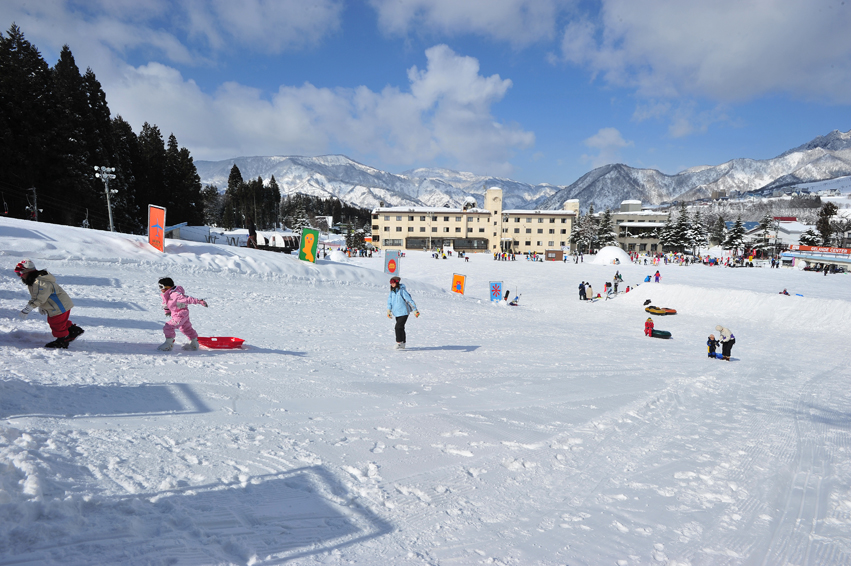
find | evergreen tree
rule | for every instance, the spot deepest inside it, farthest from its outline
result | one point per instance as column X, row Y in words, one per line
column 668, row 235
column 27, row 118
column 698, row 235
column 809, row 238
column 213, row 205
column 605, row 235
column 183, row 186
column 735, row 239
column 823, row 225
column 718, row 233
column 681, row 236
column 128, row 216
column 150, row 171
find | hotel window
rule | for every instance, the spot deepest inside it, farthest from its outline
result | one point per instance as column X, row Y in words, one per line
column 457, row 219
column 540, row 230
column 517, row 230
column 528, row 243
column 410, row 228
column 552, row 220
column 410, row 219
column 398, row 228
column 564, row 220
column 552, row 231
column 398, row 218
column 561, row 244
column 387, row 228
column 528, row 230
column 422, row 218
column 446, row 219
column 540, row 220
column 517, row 219
column 481, row 230
column 551, row 243
column 446, row 229
column 434, row 228
column 386, row 218
column 563, row 231
column 434, row 218
column 528, row 220
column 422, row 228
column 457, row 229
column 537, row 243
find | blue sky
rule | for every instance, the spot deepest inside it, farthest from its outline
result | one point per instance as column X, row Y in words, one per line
column 535, row 90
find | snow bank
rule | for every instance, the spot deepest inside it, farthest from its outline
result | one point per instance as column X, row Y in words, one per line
column 727, row 306
column 609, row 254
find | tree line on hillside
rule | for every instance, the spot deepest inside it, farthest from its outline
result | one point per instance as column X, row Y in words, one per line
column 56, row 127
column 244, row 202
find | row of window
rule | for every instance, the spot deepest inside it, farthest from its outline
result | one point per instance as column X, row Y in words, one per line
column 461, row 218
column 433, row 229
column 550, row 244
column 540, row 231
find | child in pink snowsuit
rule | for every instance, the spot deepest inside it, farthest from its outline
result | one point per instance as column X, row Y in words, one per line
column 175, row 305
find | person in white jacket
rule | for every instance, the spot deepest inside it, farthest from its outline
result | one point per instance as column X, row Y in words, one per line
column 49, row 298
column 725, row 336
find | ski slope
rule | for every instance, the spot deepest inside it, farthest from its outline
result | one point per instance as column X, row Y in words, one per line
column 551, row 433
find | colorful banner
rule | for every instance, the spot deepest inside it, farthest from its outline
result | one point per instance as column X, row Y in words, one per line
column 308, row 245
column 392, row 263
column 156, row 227
column 496, row 290
column 458, row 283
column 794, row 247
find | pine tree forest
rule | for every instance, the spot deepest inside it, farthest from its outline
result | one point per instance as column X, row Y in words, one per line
column 56, row 127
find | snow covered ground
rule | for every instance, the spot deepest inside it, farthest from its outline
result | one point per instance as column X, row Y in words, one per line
column 547, row 434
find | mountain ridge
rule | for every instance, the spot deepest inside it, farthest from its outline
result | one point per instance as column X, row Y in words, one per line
column 825, row 157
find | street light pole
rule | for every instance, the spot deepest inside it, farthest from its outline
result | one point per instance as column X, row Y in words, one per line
column 106, row 173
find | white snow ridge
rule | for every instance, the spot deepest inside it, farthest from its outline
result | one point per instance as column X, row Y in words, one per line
column 545, row 434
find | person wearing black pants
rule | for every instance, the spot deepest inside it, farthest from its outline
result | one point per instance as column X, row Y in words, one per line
column 400, row 304
column 727, row 340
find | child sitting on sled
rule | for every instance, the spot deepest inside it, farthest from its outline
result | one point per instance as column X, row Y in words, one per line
column 175, row 305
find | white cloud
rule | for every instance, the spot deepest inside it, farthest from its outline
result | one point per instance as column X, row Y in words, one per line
column 519, row 22
column 444, row 115
column 608, row 142
column 725, row 50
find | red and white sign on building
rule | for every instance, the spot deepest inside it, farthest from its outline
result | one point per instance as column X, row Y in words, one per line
column 819, row 249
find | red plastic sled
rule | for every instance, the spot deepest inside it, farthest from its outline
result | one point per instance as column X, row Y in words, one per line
column 220, row 342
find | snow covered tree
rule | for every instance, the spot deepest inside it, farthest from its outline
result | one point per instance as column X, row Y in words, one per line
column 823, row 226
column 718, row 232
column 605, row 235
column 735, row 237
column 667, row 234
column 584, row 233
column 809, row 238
column 680, row 237
column 697, row 234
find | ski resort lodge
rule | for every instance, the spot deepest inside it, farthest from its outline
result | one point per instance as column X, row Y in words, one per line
column 473, row 229
column 638, row 230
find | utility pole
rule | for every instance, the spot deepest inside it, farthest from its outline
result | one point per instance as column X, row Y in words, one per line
column 106, row 173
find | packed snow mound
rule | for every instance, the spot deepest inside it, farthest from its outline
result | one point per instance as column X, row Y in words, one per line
column 337, row 255
column 609, row 254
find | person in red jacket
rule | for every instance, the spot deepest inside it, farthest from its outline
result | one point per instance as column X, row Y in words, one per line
column 648, row 327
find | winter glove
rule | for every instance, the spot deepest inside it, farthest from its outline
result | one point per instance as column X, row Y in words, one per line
column 26, row 311
column 167, row 312
column 417, row 314
column 204, row 303
column 389, row 313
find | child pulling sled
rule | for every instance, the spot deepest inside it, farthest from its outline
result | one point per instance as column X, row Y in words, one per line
column 175, row 305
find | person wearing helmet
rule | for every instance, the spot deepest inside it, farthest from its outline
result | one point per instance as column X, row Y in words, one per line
column 176, row 307
column 648, row 327
column 400, row 304
column 49, row 298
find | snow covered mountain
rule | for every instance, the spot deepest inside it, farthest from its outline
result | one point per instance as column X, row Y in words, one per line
column 361, row 185
column 825, row 157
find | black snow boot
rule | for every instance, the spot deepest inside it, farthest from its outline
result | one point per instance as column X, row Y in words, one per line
column 73, row 332
column 58, row 343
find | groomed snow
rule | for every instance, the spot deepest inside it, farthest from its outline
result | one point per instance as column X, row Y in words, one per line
column 546, row 434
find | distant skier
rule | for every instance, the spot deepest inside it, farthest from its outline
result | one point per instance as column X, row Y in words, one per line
column 49, row 298
column 727, row 340
column 712, row 344
column 400, row 304
column 175, row 305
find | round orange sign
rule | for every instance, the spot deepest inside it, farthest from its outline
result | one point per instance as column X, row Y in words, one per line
column 391, row 265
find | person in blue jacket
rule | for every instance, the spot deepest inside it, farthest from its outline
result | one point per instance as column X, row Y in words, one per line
column 400, row 304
